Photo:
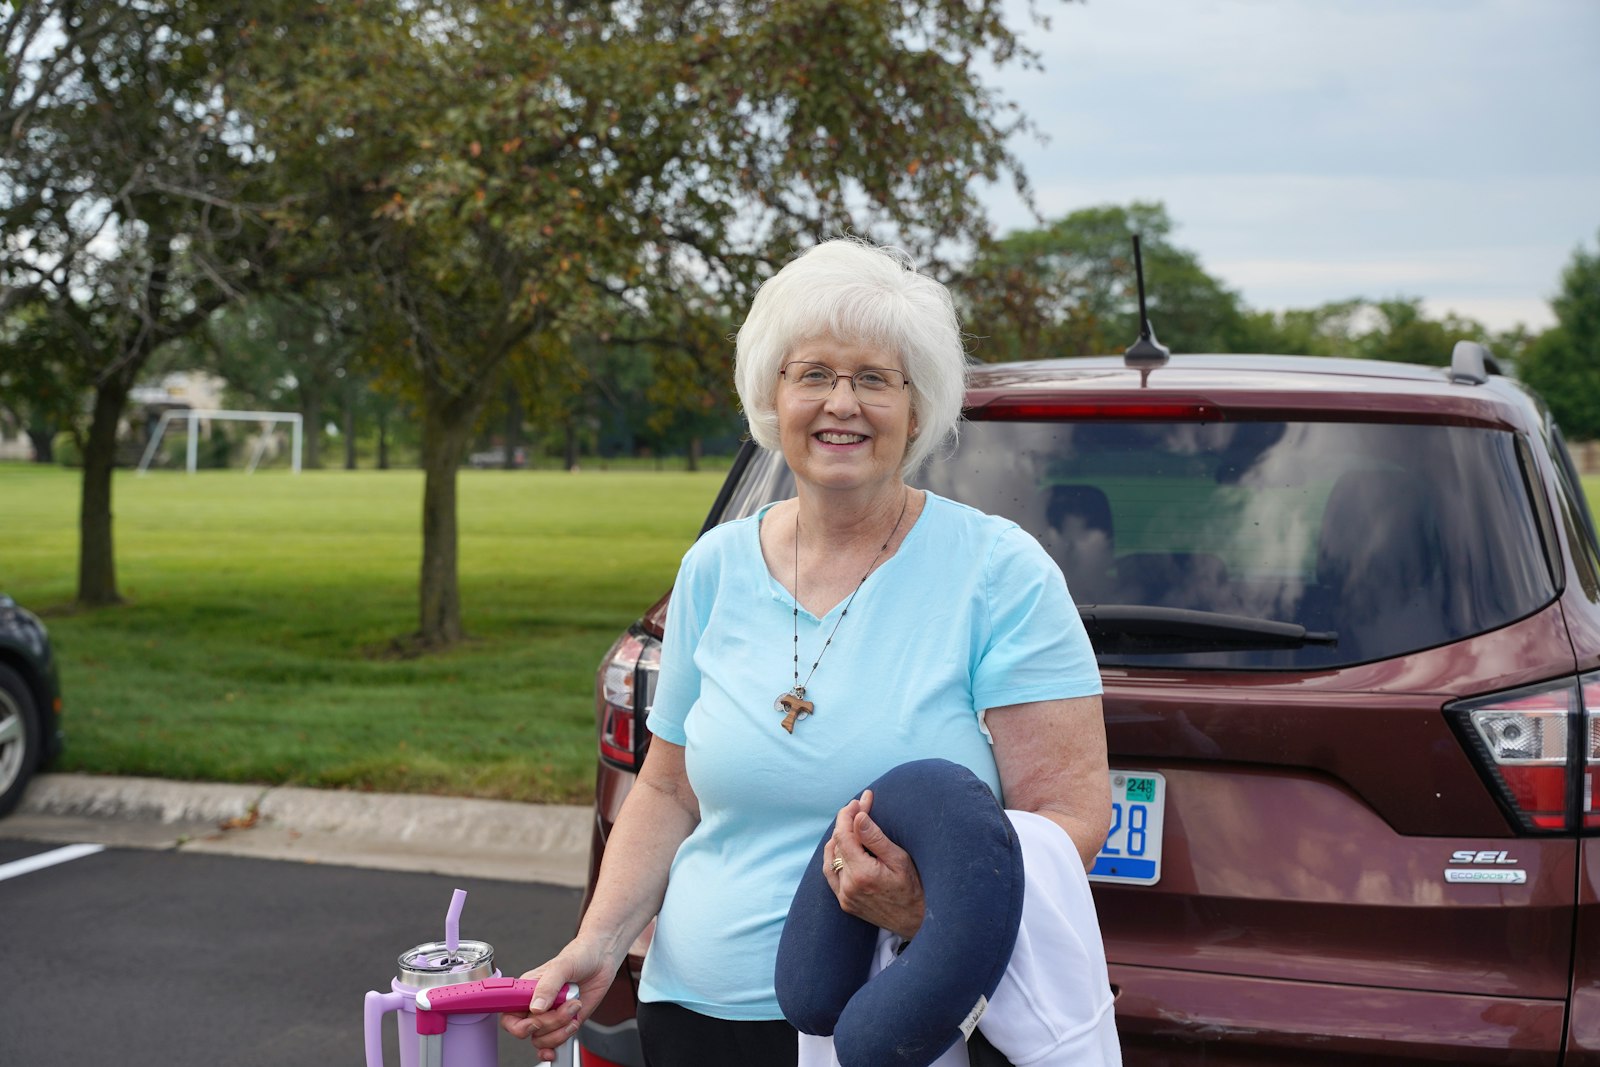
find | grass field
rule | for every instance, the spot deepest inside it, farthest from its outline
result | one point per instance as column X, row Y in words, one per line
column 253, row 647
column 254, row 644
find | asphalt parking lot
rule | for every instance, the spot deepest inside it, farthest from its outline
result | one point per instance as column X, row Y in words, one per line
column 161, row 957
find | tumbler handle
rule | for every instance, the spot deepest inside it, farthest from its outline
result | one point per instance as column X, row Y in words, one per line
column 485, row 995
column 377, row 1005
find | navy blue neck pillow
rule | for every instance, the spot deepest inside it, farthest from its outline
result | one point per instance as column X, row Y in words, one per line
column 970, row 862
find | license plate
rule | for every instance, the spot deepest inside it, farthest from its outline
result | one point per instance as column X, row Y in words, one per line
column 1132, row 852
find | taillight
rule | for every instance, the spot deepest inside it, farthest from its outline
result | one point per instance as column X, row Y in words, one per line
column 1591, row 750
column 622, row 703
column 594, row 1059
column 1527, row 744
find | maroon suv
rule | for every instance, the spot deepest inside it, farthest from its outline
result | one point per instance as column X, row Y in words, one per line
column 1348, row 618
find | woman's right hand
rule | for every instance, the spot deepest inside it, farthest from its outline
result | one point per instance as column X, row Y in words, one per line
column 550, row 1028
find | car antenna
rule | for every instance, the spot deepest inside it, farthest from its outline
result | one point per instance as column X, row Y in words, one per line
column 1146, row 353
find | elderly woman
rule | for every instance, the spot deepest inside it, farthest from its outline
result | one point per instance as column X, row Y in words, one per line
column 813, row 646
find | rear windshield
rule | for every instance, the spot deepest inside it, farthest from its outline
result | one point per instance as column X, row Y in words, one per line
column 1377, row 539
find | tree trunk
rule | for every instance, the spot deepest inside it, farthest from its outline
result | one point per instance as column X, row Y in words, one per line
column 97, row 565
column 44, row 444
column 349, row 429
column 513, row 426
column 572, row 446
column 447, row 423
column 694, row 453
column 311, row 414
column 383, row 438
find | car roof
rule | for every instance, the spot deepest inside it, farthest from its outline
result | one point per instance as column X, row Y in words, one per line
column 1248, row 386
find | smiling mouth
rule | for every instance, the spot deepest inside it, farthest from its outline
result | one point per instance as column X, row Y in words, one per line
column 840, row 438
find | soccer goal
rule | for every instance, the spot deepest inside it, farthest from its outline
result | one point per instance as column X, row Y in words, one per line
column 265, row 418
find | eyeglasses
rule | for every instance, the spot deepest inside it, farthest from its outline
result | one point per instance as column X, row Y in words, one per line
column 876, row 386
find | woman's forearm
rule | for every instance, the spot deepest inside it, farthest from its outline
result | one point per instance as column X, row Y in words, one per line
column 659, row 813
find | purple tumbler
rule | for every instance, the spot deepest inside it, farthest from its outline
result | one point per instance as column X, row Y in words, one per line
column 447, row 1000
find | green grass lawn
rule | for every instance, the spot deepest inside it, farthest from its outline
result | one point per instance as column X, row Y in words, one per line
column 260, row 607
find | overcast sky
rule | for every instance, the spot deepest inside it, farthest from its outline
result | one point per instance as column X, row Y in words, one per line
column 1313, row 150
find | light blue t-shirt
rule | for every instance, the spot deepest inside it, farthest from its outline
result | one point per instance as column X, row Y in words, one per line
column 969, row 614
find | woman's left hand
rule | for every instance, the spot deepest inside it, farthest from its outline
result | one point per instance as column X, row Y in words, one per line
column 877, row 882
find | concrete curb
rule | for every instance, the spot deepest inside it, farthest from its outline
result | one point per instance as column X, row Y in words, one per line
column 390, row 831
column 143, row 799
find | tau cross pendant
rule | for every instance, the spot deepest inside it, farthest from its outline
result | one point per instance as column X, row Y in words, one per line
column 795, row 706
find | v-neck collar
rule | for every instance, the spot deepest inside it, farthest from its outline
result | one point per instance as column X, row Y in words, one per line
column 780, row 592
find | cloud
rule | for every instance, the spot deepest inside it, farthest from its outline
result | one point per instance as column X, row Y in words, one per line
column 1373, row 276
column 1466, row 286
column 1149, row 87
column 1495, row 314
column 1445, row 149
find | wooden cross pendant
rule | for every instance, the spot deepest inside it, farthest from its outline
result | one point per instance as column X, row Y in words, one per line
column 796, row 706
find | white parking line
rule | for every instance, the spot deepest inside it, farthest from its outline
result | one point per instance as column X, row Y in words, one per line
column 47, row 859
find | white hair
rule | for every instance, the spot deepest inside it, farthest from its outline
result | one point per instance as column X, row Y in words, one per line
column 854, row 292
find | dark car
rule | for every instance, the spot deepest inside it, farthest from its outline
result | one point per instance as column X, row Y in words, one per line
column 1347, row 614
column 30, row 701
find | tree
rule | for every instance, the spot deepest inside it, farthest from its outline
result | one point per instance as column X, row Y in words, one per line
column 691, row 389
column 287, row 349
column 1402, row 332
column 1325, row 330
column 124, row 216
column 41, row 389
column 588, row 154
column 1394, row 329
column 661, row 383
column 1069, row 289
column 1564, row 363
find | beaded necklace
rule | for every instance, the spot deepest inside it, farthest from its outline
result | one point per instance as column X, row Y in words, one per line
column 793, row 705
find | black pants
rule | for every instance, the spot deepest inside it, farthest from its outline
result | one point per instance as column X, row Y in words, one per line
column 674, row 1036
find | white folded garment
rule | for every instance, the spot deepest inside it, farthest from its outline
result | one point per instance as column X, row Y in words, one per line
column 1053, row 1006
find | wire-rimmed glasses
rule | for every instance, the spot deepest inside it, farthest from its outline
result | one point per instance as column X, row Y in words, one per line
column 875, row 386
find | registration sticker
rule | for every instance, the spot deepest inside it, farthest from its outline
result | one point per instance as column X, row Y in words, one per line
column 1132, row 852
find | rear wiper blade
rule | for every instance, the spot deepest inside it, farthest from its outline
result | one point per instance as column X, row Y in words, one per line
column 1147, row 628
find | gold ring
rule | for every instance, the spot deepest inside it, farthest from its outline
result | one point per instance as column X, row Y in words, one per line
column 838, row 863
